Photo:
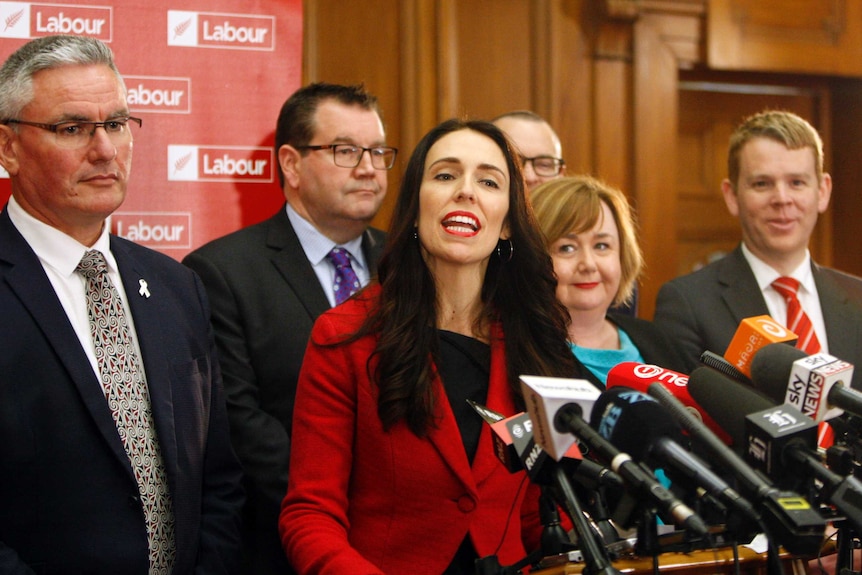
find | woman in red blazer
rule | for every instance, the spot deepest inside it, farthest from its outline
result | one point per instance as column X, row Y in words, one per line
column 391, row 471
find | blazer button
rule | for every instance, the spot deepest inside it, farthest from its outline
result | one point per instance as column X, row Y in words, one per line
column 466, row 504
column 133, row 501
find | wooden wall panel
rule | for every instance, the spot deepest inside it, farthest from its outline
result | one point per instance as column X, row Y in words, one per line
column 606, row 74
column 655, row 148
column 808, row 36
column 847, row 176
column 359, row 42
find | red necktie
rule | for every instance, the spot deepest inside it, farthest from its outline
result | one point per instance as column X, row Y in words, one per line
column 797, row 320
column 799, row 323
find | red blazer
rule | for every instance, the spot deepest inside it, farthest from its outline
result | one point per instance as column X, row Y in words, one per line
column 362, row 501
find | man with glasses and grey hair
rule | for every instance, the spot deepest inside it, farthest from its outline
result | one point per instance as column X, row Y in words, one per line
column 114, row 445
column 270, row 281
column 538, row 144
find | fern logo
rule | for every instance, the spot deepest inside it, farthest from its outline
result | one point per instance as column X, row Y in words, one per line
column 183, row 163
column 14, row 20
column 182, row 28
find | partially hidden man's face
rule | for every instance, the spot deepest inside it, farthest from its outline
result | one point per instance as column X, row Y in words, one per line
column 532, row 140
column 73, row 190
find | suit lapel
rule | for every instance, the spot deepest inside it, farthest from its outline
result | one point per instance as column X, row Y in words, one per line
column 839, row 315
column 499, row 400
column 739, row 287
column 289, row 259
column 27, row 280
column 446, row 437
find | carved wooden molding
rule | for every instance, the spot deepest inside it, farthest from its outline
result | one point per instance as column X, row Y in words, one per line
column 633, row 9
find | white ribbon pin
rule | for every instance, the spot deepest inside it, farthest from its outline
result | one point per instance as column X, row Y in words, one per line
column 144, row 291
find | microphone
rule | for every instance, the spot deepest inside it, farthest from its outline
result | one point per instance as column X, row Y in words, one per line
column 718, row 363
column 817, row 385
column 781, row 439
column 707, row 388
column 503, row 429
column 557, row 417
column 640, row 376
column 786, row 515
column 753, row 334
column 638, row 424
column 777, row 436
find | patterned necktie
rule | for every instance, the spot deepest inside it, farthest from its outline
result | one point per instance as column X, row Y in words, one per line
column 346, row 283
column 797, row 320
column 129, row 402
column 799, row 323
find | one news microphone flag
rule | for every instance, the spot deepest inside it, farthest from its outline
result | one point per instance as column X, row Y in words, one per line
column 640, row 376
column 753, row 334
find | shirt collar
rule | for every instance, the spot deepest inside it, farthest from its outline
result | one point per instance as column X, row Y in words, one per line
column 765, row 274
column 316, row 245
column 55, row 248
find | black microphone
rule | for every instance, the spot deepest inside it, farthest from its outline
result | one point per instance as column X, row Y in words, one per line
column 817, row 385
column 707, row 389
column 782, row 441
column 557, row 418
column 638, row 424
column 640, row 376
column 718, row 363
column 788, row 516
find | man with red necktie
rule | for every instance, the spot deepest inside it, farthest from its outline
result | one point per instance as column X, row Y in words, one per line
column 776, row 187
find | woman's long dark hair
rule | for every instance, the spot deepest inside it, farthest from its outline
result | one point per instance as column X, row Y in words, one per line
column 519, row 293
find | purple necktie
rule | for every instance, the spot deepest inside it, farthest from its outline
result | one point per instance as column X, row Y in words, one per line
column 346, row 283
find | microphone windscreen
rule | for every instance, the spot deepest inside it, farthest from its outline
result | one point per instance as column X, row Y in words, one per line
column 771, row 368
column 633, row 421
column 726, row 401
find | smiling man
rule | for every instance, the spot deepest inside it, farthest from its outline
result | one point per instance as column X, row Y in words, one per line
column 269, row 282
column 777, row 188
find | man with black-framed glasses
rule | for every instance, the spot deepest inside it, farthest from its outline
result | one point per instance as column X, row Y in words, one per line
column 538, row 144
column 268, row 283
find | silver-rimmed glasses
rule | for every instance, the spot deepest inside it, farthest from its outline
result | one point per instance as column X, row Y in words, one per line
column 73, row 134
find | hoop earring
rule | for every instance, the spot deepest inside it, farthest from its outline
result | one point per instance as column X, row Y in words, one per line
column 509, row 252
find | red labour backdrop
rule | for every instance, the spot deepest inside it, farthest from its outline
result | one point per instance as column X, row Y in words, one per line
column 208, row 78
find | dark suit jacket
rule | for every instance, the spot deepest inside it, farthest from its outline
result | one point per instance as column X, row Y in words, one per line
column 265, row 297
column 366, row 501
column 701, row 310
column 68, row 499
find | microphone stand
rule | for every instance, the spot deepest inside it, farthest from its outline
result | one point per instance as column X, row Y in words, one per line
column 555, row 540
column 846, row 537
column 596, row 557
column 647, row 539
